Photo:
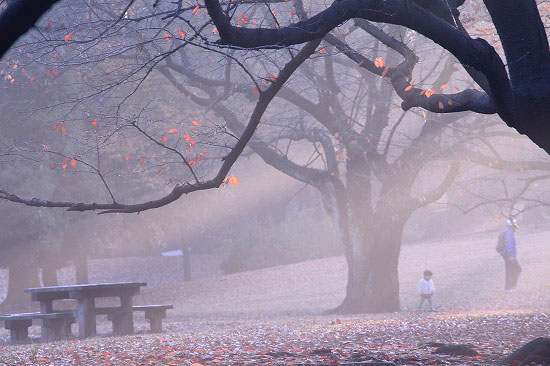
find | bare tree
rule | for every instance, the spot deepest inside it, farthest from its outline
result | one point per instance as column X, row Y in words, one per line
column 517, row 91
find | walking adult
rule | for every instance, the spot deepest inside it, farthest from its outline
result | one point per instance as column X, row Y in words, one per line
column 509, row 254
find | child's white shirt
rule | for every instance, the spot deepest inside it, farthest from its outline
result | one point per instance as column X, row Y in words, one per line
column 426, row 287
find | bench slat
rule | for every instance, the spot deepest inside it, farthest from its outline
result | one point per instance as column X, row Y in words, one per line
column 152, row 307
column 30, row 316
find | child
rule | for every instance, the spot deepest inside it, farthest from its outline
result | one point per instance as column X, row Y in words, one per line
column 426, row 289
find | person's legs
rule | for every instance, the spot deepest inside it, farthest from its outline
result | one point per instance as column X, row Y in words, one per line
column 516, row 270
column 430, row 302
column 422, row 299
column 508, row 274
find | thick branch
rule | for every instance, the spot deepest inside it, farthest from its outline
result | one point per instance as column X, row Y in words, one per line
column 18, row 17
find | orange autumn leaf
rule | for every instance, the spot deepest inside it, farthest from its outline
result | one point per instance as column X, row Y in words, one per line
column 55, row 126
column 196, row 10
column 55, row 71
column 408, row 88
column 195, row 123
column 68, row 37
column 189, row 139
column 31, row 80
column 322, row 50
column 456, row 88
column 181, row 33
column 188, row 147
column 64, row 166
column 429, row 92
column 233, row 181
column 215, row 30
column 424, row 116
column 444, row 86
column 173, row 130
column 163, row 139
column 63, row 128
column 94, row 122
column 73, row 163
column 379, row 62
column 166, row 36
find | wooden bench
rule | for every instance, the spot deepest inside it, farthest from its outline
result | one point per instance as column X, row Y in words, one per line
column 55, row 326
column 153, row 313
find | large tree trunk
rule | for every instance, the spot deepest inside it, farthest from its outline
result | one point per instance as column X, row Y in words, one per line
column 373, row 281
column 81, row 268
column 49, row 275
column 372, row 245
column 21, row 276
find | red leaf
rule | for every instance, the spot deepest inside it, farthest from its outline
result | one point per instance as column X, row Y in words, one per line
column 55, row 126
column 195, row 11
column 68, row 37
column 195, row 123
column 94, row 122
column 163, row 139
column 173, row 130
column 63, row 128
column 55, row 71
column 73, row 163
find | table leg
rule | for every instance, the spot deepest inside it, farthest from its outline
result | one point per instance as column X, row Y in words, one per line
column 86, row 317
column 126, row 315
column 46, row 306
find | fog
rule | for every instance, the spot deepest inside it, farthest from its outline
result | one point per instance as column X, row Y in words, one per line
column 122, row 160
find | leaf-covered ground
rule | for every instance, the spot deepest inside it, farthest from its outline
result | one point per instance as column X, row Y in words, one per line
column 401, row 339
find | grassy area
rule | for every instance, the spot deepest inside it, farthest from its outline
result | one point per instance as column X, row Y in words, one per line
column 243, row 318
column 468, row 275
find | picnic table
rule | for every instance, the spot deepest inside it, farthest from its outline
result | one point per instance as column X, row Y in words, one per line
column 86, row 311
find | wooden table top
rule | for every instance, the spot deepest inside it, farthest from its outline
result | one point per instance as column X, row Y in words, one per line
column 87, row 287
